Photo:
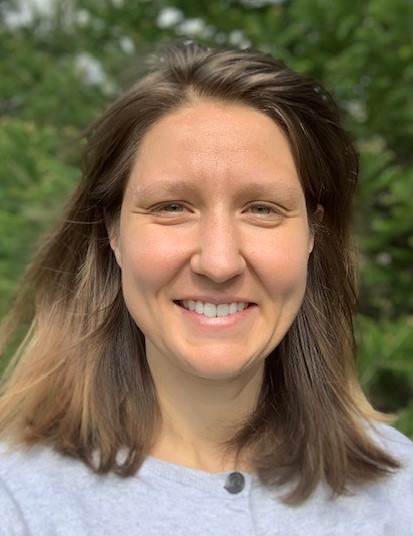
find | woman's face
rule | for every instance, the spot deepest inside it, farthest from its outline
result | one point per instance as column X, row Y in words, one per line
column 213, row 240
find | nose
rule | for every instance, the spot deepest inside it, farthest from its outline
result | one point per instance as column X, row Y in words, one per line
column 218, row 254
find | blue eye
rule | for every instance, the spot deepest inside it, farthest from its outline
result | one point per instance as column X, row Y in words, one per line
column 172, row 207
column 261, row 208
column 171, row 210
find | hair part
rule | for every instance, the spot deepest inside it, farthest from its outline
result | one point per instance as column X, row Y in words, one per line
column 80, row 379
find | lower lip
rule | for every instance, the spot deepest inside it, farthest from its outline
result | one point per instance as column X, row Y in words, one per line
column 217, row 322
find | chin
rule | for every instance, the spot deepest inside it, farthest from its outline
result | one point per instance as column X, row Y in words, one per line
column 220, row 368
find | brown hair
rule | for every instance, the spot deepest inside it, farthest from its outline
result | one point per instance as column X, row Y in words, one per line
column 80, row 379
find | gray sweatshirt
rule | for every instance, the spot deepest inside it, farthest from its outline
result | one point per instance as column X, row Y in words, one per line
column 45, row 493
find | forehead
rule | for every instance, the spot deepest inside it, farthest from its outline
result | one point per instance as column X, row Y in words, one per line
column 216, row 143
column 206, row 124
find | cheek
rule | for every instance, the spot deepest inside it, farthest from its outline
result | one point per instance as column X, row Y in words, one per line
column 287, row 287
column 149, row 260
column 293, row 263
column 284, row 264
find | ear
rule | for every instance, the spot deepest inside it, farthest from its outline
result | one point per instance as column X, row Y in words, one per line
column 316, row 218
column 319, row 214
column 112, row 230
column 114, row 244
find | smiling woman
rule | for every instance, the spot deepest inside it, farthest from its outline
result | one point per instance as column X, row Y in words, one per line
column 191, row 324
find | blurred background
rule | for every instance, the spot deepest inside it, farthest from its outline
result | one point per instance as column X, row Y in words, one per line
column 63, row 61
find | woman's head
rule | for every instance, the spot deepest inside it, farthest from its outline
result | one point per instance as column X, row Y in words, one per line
column 324, row 157
column 187, row 74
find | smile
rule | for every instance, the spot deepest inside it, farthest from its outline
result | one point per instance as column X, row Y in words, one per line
column 211, row 310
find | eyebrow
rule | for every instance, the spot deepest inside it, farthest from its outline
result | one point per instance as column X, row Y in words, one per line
column 252, row 189
column 277, row 188
column 164, row 188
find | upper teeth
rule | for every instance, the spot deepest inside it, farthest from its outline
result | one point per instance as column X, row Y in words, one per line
column 211, row 310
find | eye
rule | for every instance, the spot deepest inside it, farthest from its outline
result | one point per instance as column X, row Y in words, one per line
column 171, row 207
column 264, row 213
column 171, row 210
column 261, row 209
column 264, row 209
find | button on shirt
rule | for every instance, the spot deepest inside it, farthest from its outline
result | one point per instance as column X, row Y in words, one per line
column 235, row 482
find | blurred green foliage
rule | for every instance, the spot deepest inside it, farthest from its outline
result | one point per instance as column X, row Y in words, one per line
column 61, row 65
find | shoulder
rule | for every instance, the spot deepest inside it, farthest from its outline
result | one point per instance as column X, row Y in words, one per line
column 22, row 466
column 393, row 493
column 393, row 442
column 19, row 471
column 33, row 482
column 399, row 483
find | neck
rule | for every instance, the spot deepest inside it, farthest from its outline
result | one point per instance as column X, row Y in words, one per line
column 198, row 416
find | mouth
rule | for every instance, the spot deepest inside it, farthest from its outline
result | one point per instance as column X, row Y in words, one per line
column 211, row 310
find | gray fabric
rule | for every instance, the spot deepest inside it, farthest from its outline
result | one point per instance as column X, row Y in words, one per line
column 43, row 493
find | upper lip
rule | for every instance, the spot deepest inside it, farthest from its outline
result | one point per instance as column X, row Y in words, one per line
column 216, row 301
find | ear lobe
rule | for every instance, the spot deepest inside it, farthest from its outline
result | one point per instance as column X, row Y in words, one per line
column 114, row 244
column 319, row 213
column 311, row 243
column 317, row 217
column 113, row 235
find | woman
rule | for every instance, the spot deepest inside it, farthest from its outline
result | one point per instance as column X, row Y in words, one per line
column 190, row 324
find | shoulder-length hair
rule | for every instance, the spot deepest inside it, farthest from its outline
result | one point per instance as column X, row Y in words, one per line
column 80, row 379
